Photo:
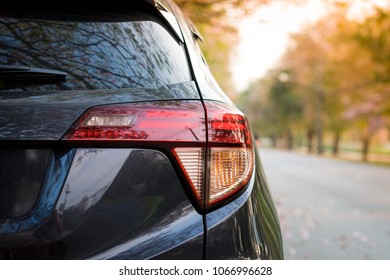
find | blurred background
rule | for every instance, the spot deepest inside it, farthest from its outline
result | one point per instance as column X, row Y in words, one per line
column 313, row 77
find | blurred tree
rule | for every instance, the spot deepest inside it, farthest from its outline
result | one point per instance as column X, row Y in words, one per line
column 373, row 35
column 284, row 107
column 339, row 78
column 307, row 57
column 274, row 107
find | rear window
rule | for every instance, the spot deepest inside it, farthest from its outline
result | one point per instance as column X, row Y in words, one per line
column 109, row 51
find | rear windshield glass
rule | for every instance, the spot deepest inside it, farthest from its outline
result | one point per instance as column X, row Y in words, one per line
column 98, row 53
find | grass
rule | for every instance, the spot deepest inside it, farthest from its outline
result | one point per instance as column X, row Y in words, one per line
column 378, row 155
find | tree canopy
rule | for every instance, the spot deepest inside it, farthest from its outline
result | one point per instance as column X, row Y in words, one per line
column 339, row 70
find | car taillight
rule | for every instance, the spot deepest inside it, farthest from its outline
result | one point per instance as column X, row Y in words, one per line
column 146, row 122
column 213, row 149
column 231, row 156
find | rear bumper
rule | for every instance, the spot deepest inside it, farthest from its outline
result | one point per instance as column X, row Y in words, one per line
column 106, row 204
column 130, row 204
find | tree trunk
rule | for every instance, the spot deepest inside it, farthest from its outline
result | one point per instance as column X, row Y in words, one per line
column 274, row 141
column 366, row 148
column 320, row 148
column 310, row 135
column 319, row 118
column 289, row 138
column 336, row 143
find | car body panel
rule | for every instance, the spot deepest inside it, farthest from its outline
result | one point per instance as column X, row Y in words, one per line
column 12, row 229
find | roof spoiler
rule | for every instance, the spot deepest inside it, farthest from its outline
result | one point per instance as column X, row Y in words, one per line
column 167, row 14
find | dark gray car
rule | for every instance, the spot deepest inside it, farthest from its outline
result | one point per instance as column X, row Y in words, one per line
column 116, row 142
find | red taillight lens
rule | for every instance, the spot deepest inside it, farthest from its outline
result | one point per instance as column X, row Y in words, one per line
column 227, row 145
column 160, row 121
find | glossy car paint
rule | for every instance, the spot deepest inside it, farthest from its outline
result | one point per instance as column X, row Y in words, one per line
column 126, row 202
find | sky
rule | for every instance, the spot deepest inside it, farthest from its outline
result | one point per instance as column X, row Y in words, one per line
column 264, row 36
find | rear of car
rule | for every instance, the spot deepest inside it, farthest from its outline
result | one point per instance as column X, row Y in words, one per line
column 116, row 142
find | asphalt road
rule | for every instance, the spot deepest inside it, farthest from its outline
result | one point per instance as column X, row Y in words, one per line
column 328, row 208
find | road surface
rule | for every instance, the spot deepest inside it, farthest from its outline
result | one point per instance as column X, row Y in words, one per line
column 328, row 208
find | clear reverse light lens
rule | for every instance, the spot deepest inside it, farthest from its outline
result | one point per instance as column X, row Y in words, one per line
column 110, row 121
column 191, row 161
column 229, row 169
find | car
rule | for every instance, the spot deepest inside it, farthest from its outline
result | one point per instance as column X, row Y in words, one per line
column 116, row 142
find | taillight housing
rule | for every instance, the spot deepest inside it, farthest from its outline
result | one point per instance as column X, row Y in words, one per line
column 209, row 141
column 231, row 156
